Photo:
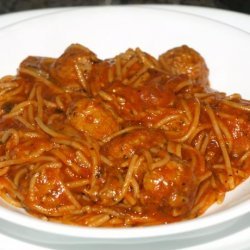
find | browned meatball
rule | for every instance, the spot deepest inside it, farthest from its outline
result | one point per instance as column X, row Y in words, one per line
column 172, row 187
column 89, row 116
column 185, row 61
column 126, row 145
column 71, row 69
column 37, row 63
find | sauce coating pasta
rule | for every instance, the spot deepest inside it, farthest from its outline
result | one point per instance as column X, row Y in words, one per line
column 127, row 141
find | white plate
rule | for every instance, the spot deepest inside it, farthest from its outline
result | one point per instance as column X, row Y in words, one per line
column 232, row 18
column 108, row 31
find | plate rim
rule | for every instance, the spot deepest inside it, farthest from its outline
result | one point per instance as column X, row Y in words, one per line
column 147, row 7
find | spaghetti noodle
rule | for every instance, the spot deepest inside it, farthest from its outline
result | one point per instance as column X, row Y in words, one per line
column 127, row 141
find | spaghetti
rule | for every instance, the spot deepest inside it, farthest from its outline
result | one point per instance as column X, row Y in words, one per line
column 127, row 141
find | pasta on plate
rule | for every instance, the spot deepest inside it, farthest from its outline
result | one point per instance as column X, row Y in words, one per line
column 127, row 141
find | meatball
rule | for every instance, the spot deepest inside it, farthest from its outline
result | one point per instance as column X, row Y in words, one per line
column 89, row 116
column 35, row 147
column 48, row 194
column 112, row 188
column 185, row 61
column 126, row 145
column 73, row 66
column 171, row 187
column 40, row 64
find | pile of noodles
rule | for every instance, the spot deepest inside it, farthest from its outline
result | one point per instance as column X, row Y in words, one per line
column 126, row 141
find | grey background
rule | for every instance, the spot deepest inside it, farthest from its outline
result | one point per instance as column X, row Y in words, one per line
column 7, row 6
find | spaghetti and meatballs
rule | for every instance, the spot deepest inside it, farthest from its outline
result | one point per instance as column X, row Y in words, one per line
column 128, row 141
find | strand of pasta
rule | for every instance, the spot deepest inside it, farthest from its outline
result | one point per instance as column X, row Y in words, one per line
column 30, row 107
column 167, row 119
column 200, row 205
column 8, row 133
column 39, row 102
column 25, row 123
column 199, row 140
column 59, row 154
column 8, row 85
column 7, row 163
column 49, row 104
column 205, row 176
column 236, row 105
column 148, row 158
column 195, row 155
column 202, row 189
column 128, row 64
column 106, row 160
column 136, row 187
column 22, row 105
column 128, row 177
column 200, row 128
column 41, row 79
column 133, row 219
column 95, row 166
column 12, row 189
column 182, row 85
column 174, row 148
column 32, row 184
column 222, row 146
column 136, row 76
column 186, row 109
column 39, row 168
column 59, row 102
column 4, row 91
column 240, row 173
column 48, row 130
column 80, row 76
column 105, row 96
column 31, row 114
column 58, row 211
column 6, row 96
column 134, row 163
column 70, row 196
column 141, row 79
column 193, row 125
column 233, row 97
column 129, row 199
column 244, row 157
column 153, row 63
column 98, row 220
column 161, row 162
column 227, row 134
column 123, row 131
column 9, row 199
column 74, row 144
column 12, row 114
column 76, row 184
column 19, row 175
column 82, row 159
column 205, row 143
column 203, row 95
